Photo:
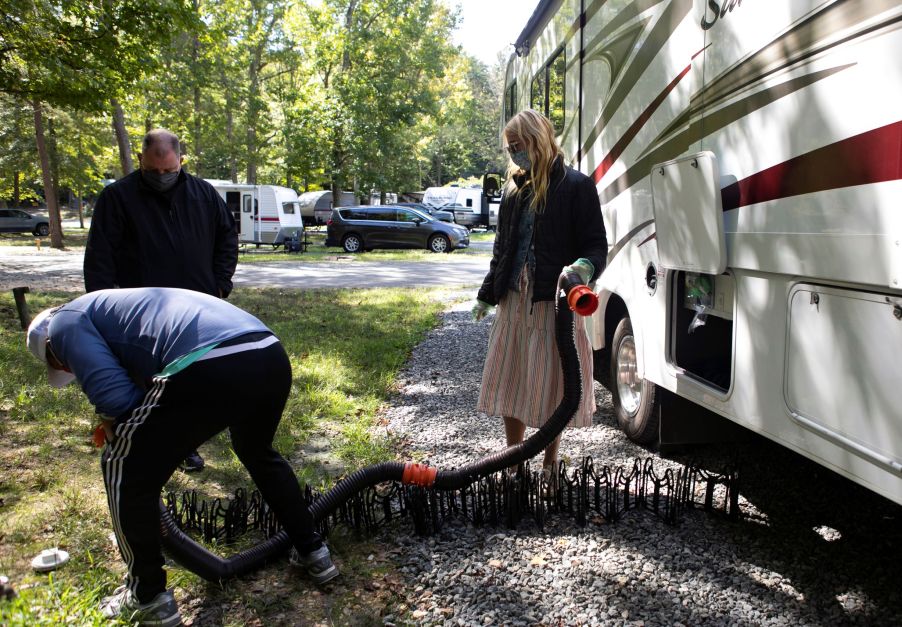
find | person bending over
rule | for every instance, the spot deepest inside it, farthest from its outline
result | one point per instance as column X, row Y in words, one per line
column 167, row 369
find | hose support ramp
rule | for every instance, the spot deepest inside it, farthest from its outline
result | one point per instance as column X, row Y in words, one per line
column 196, row 558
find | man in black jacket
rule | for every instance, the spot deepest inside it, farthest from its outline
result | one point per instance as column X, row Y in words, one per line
column 161, row 227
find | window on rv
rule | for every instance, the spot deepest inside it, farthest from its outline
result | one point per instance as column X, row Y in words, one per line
column 510, row 101
column 537, row 94
column 290, row 208
column 556, row 71
column 547, row 94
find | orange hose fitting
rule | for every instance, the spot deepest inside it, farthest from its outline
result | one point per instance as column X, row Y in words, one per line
column 419, row 474
column 582, row 300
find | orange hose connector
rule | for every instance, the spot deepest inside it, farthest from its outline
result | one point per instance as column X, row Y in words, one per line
column 419, row 474
column 582, row 300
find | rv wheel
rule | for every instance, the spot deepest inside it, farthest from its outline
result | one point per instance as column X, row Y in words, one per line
column 635, row 399
column 351, row 243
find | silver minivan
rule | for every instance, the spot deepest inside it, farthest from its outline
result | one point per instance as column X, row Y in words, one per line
column 18, row 221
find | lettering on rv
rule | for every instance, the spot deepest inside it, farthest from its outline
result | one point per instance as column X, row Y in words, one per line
column 720, row 10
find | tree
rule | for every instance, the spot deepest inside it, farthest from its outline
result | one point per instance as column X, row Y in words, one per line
column 461, row 140
column 19, row 176
column 80, row 55
column 370, row 60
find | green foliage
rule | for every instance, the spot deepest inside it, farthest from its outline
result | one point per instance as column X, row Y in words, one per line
column 81, row 53
column 313, row 94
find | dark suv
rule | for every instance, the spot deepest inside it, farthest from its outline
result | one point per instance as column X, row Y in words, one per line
column 358, row 229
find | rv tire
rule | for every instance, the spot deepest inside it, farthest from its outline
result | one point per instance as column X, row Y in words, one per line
column 635, row 400
column 352, row 243
column 602, row 366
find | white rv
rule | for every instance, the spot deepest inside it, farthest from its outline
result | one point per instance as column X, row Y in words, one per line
column 748, row 158
column 265, row 214
column 471, row 206
column 316, row 207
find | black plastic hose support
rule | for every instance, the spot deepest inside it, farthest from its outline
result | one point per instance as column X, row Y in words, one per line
column 196, row 558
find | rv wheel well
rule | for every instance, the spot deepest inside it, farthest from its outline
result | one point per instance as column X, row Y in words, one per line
column 615, row 312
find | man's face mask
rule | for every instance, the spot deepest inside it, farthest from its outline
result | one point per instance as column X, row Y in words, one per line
column 521, row 159
column 162, row 182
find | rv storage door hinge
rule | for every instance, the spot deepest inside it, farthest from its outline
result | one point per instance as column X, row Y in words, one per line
column 816, row 300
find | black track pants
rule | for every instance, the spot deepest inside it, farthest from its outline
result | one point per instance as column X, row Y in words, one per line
column 244, row 392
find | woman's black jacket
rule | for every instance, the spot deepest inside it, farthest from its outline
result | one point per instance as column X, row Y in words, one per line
column 570, row 227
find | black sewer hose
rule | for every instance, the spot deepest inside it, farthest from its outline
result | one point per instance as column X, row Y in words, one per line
column 207, row 565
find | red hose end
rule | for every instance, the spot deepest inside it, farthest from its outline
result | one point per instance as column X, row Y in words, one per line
column 419, row 474
column 582, row 300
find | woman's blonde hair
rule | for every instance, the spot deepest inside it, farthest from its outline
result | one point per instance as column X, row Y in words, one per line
column 535, row 134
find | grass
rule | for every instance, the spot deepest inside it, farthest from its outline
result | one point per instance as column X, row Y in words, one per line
column 72, row 238
column 346, row 347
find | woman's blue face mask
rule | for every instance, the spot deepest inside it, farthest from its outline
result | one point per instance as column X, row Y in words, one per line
column 521, row 159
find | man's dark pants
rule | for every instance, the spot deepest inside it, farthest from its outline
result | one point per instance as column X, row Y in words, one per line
column 244, row 392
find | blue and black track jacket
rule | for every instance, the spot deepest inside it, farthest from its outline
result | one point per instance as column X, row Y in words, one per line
column 115, row 341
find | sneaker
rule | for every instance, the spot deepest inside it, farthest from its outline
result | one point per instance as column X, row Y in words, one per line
column 318, row 564
column 193, row 462
column 162, row 611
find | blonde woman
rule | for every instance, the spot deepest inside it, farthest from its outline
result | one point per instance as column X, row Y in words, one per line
column 550, row 218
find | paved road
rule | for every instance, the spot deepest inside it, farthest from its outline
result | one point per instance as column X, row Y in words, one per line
column 466, row 271
column 52, row 269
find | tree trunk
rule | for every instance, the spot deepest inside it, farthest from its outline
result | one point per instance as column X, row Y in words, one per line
column 53, row 154
column 16, row 192
column 230, row 136
column 53, row 210
column 195, row 54
column 125, row 148
column 251, row 155
column 253, row 112
column 81, row 213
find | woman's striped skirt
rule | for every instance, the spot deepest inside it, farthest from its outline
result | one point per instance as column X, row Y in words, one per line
column 522, row 376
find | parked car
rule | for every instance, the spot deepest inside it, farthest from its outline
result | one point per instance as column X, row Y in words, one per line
column 358, row 229
column 438, row 214
column 18, row 221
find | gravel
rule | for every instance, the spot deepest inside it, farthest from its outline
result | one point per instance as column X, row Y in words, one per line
column 815, row 549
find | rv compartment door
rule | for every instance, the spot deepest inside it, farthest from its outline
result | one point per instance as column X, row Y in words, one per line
column 689, row 214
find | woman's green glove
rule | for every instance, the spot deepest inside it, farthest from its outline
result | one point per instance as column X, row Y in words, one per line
column 481, row 310
column 583, row 267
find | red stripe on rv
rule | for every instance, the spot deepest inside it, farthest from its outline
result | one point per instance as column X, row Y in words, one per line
column 871, row 157
column 269, row 219
column 611, row 158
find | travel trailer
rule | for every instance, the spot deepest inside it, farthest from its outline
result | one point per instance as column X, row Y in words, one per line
column 265, row 214
column 316, row 207
column 748, row 158
column 471, row 206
